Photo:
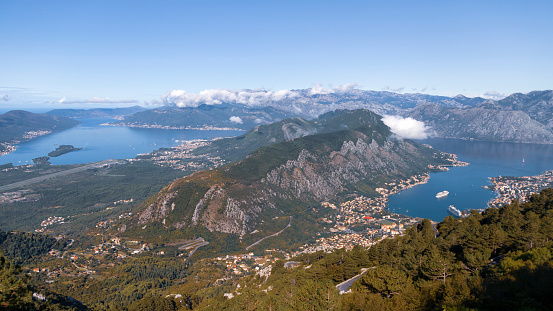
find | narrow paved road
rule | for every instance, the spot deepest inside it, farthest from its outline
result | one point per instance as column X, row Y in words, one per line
column 62, row 173
column 344, row 286
column 274, row 234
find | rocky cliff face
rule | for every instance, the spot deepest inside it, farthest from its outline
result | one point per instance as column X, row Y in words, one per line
column 286, row 177
column 322, row 176
column 537, row 104
column 483, row 124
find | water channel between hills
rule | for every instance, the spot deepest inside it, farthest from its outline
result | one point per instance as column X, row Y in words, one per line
column 104, row 142
column 487, row 159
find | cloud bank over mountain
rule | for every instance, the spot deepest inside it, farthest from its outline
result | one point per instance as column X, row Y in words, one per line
column 407, row 127
column 97, row 100
column 181, row 98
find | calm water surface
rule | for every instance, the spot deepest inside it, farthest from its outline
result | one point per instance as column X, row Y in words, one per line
column 487, row 159
column 104, row 142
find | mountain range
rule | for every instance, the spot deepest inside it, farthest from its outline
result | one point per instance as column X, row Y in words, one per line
column 537, row 104
column 522, row 118
column 349, row 152
column 205, row 116
column 481, row 123
column 96, row 112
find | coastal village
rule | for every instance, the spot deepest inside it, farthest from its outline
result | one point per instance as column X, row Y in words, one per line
column 204, row 127
column 182, row 157
column 365, row 221
column 9, row 147
column 510, row 188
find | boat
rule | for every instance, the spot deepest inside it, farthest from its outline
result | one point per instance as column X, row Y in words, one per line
column 454, row 211
column 442, row 194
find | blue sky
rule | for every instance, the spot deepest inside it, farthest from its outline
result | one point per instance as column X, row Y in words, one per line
column 117, row 53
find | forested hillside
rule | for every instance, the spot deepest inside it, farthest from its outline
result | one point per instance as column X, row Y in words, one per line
column 19, row 125
column 498, row 260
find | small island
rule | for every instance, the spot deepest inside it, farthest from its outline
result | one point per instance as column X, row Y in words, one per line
column 63, row 149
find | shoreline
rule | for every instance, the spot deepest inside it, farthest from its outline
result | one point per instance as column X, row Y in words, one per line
column 12, row 146
column 167, row 127
column 509, row 188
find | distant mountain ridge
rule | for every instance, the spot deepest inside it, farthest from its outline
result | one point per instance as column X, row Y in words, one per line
column 203, row 116
column 522, row 118
column 302, row 104
column 96, row 112
column 236, row 148
column 537, row 104
column 482, row 124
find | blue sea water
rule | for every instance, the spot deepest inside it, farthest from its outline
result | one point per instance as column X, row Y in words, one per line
column 104, row 142
column 487, row 159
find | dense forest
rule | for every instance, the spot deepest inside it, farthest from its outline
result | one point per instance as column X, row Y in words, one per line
column 498, row 260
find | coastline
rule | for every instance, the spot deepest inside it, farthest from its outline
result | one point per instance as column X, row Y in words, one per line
column 509, row 188
column 167, row 127
column 12, row 146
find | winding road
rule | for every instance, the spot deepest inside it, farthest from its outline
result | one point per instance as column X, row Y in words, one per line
column 344, row 286
column 274, row 234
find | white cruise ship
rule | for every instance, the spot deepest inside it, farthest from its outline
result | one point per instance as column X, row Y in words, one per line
column 454, row 211
column 442, row 194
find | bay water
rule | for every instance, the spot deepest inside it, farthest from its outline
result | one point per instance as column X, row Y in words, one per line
column 486, row 159
column 104, row 142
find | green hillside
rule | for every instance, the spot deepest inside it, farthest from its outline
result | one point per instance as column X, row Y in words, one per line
column 237, row 148
column 501, row 259
column 15, row 124
column 286, row 178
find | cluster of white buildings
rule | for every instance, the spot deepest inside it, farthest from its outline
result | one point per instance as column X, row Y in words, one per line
column 395, row 187
column 11, row 197
column 245, row 263
column 180, row 157
column 520, row 188
column 52, row 220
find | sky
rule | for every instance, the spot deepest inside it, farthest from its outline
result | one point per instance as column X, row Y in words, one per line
column 78, row 54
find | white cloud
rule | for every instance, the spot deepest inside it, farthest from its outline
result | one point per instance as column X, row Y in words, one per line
column 98, row 100
column 318, row 89
column 181, row 98
column 344, row 88
column 258, row 121
column 406, row 127
column 235, row 119
column 395, row 90
column 493, row 95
